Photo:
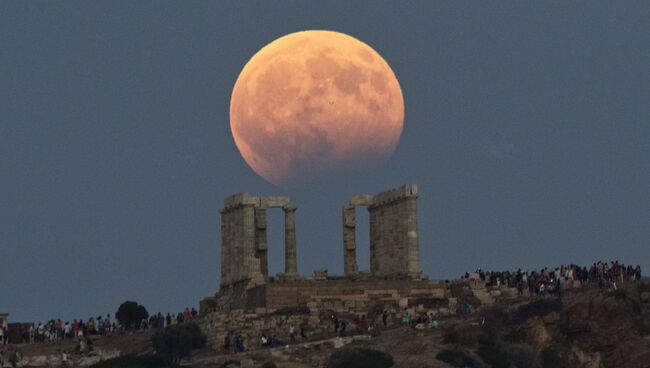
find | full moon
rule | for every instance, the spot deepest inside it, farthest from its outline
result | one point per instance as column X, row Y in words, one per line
column 312, row 102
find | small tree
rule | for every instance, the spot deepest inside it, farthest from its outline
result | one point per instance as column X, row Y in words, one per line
column 131, row 313
column 177, row 342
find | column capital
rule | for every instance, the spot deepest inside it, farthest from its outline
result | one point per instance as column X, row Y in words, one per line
column 289, row 208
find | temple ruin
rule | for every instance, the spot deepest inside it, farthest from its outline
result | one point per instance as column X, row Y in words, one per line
column 250, row 300
column 246, row 284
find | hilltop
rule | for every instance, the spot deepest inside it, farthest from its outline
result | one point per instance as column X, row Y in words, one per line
column 585, row 327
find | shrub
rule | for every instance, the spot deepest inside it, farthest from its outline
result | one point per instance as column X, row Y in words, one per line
column 537, row 308
column 455, row 358
column 521, row 356
column 131, row 313
column 550, row 358
column 177, row 342
column 494, row 356
column 360, row 358
column 451, row 337
column 516, row 336
column 618, row 294
column 269, row 365
column 131, row 361
column 643, row 286
column 643, row 329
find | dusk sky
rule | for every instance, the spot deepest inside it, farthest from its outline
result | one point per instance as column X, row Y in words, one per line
column 527, row 130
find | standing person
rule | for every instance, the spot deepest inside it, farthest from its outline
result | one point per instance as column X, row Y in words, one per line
column 2, row 335
column 384, row 317
column 233, row 342
column 31, row 334
column 292, row 333
column 302, row 330
column 343, row 325
column 405, row 318
column 187, row 314
column 226, row 343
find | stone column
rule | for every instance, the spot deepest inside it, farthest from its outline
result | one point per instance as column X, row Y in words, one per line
column 261, row 247
column 349, row 242
column 290, row 261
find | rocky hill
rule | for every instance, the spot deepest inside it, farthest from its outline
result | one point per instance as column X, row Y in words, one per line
column 585, row 327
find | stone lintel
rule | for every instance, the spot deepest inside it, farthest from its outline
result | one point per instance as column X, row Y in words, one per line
column 360, row 200
column 274, row 202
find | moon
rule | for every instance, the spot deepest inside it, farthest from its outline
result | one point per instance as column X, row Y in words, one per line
column 312, row 102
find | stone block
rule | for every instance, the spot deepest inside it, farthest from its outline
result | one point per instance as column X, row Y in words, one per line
column 403, row 302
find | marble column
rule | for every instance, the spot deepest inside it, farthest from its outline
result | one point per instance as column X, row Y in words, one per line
column 349, row 242
column 290, row 261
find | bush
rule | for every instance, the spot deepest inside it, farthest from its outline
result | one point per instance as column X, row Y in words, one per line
column 550, row 358
column 269, row 365
column 643, row 329
column 360, row 358
column 516, row 336
column 618, row 294
column 494, row 356
column 455, row 358
column 521, row 356
column 451, row 337
column 464, row 335
column 131, row 361
column 177, row 342
column 537, row 308
column 131, row 313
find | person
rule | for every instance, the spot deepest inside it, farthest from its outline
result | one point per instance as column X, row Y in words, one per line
column 384, row 317
column 239, row 344
column 343, row 325
column 186, row 314
column 292, row 333
column 265, row 341
column 405, row 318
column 2, row 335
column 233, row 342
column 226, row 343
column 302, row 330
column 14, row 358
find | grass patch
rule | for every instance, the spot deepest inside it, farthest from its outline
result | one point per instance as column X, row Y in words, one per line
column 455, row 358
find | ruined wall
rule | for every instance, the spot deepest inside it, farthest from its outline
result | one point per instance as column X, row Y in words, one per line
column 244, row 247
column 238, row 255
column 394, row 247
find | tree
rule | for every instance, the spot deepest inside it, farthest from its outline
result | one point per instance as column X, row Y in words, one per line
column 177, row 342
column 131, row 313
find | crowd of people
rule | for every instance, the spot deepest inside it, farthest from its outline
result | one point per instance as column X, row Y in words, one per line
column 550, row 280
column 56, row 330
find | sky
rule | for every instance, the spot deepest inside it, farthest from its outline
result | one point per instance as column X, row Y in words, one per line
column 527, row 130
